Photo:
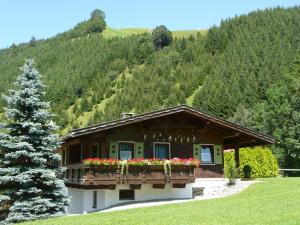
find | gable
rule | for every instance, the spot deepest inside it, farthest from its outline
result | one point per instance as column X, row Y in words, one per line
column 182, row 117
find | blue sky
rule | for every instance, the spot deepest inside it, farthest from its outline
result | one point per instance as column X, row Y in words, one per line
column 20, row 20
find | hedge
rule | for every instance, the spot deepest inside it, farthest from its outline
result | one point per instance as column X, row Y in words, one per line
column 258, row 161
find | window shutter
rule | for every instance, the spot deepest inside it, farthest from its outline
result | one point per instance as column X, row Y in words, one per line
column 113, row 150
column 139, row 150
column 218, row 154
column 196, row 151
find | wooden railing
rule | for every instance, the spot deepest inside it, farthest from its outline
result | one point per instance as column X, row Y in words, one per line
column 289, row 172
column 89, row 178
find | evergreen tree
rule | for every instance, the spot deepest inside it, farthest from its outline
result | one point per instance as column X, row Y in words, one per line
column 280, row 118
column 29, row 166
column 32, row 41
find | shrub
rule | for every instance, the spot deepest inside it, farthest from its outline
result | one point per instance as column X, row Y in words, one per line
column 261, row 161
column 247, row 171
column 231, row 171
column 254, row 162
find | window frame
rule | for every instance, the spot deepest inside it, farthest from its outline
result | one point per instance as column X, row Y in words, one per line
column 213, row 154
column 166, row 143
column 130, row 142
column 127, row 199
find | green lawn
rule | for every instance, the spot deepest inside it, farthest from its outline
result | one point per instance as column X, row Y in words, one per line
column 273, row 201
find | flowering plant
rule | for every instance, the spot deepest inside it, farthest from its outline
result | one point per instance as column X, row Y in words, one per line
column 94, row 162
column 137, row 162
column 185, row 162
column 155, row 162
column 125, row 165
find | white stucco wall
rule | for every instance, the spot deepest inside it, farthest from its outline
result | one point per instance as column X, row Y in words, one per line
column 76, row 198
column 82, row 200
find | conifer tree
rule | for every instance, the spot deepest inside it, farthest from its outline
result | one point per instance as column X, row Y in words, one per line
column 29, row 166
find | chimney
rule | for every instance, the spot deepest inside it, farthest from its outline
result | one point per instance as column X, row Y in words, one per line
column 126, row 115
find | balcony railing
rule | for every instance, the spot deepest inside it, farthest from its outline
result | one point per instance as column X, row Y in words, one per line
column 104, row 177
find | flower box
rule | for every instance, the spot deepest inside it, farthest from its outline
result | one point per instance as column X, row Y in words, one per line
column 154, row 169
column 182, row 169
column 139, row 168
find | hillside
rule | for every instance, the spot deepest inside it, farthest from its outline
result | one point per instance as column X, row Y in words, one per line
column 125, row 32
column 85, row 73
column 244, row 70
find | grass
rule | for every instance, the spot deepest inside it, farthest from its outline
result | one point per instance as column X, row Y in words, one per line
column 273, row 201
column 124, row 32
column 190, row 99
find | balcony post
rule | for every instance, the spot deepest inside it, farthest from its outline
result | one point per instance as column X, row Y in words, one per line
column 237, row 156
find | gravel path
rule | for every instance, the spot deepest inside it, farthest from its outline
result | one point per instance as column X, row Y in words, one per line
column 218, row 192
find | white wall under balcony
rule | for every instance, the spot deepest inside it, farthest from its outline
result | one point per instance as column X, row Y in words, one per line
column 76, row 197
column 82, row 200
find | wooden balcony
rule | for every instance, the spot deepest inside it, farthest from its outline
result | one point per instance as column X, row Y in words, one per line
column 97, row 178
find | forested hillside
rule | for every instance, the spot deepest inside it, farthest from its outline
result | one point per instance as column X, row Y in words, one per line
column 246, row 70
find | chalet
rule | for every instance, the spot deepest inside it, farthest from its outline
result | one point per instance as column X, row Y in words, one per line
column 177, row 132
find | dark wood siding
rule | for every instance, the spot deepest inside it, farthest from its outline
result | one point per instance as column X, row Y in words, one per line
column 209, row 171
column 148, row 149
column 181, row 150
column 180, row 130
column 75, row 153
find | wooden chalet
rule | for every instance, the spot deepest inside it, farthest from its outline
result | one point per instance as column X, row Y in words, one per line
column 177, row 132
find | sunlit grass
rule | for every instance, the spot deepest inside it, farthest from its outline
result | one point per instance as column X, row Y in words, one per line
column 124, row 32
column 273, row 201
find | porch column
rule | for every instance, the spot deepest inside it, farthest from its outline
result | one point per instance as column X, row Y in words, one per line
column 67, row 157
column 237, row 156
column 83, row 151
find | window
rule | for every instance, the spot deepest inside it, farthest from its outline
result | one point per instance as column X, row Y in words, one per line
column 207, row 154
column 162, row 150
column 95, row 199
column 126, row 150
column 126, row 194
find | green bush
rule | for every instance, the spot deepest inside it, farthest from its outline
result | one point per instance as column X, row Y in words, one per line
column 247, row 171
column 261, row 161
column 231, row 172
column 254, row 162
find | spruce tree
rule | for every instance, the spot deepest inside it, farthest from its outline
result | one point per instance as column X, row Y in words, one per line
column 29, row 166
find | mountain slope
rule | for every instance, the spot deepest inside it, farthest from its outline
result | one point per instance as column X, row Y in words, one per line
column 235, row 71
column 85, row 73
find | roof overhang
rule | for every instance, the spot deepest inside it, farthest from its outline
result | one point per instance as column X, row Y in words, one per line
column 258, row 138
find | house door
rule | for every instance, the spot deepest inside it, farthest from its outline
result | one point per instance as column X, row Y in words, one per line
column 126, row 150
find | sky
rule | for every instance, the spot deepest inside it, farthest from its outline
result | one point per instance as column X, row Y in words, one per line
column 20, row 20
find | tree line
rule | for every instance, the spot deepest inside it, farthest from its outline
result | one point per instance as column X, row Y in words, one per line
column 246, row 70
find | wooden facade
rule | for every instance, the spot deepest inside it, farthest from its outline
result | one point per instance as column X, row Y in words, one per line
column 184, row 129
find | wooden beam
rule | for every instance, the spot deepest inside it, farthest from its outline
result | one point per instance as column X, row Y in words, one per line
column 232, row 136
column 237, row 156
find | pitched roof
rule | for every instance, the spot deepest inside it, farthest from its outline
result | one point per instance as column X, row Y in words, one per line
column 164, row 112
